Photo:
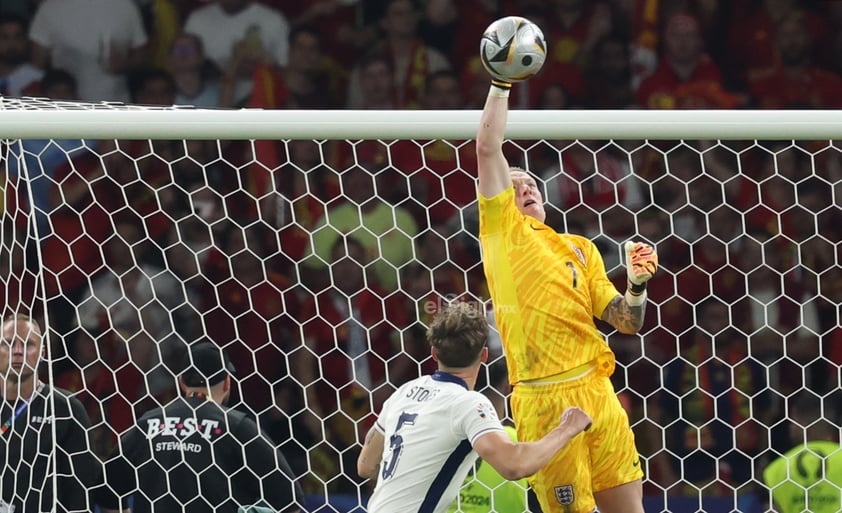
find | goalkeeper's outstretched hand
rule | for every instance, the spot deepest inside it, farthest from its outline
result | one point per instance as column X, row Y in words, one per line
column 641, row 262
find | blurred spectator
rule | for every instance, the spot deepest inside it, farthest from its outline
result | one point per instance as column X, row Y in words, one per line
column 778, row 308
column 609, row 75
column 475, row 81
column 412, row 60
column 237, row 36
column 37, row 159
column 554, row 96
column 163, row 22
column 79, row 210
column 686, row 77
column 152, row 86
column 642, row 16
column 315, row 79
column 385, row 231
column 435, row 278
column 453, row 27
column 106, row 384
column 708, row 398
column 249, row 312
column 795, row 83
column 59, row 84
column 377, row 86
column 100, row 40
column 443, row 92
column 283, row 424
column 339, row 18
column 18, row 283
column 377, row 83
column 196, row 78
column 573, row 27
column 351, row 359
column 766, row 185
column 17, row 75
column 310, row 80
column 440, row 179
column 43, row 164
column 130, row 304
column 753, row 51
column 301, row 187
column 668, row 181
column 586, row 182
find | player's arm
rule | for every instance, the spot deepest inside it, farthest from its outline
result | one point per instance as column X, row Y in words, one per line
column 516, row 460
column 626, row 313
column 369, row 460
column 492, row 167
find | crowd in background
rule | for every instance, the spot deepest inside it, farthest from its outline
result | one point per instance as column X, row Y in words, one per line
column 318, row 263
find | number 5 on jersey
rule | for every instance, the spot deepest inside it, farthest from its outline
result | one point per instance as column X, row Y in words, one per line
column 396, row 444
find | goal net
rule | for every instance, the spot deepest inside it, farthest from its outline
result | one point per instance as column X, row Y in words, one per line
column 314, row 248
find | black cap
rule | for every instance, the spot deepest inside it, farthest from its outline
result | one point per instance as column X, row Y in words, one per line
column 206, row 364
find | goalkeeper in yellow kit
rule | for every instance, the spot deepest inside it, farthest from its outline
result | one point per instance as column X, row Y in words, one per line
column 547, row 288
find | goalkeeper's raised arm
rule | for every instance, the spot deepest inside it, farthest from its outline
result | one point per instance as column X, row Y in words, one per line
column 547, row 289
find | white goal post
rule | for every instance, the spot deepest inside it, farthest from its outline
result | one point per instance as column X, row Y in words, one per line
column 314, row 245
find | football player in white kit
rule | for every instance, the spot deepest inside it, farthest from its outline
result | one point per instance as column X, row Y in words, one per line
column 431, row 430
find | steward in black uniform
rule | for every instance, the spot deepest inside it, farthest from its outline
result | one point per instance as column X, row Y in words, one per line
column 28, row 451
column 195, row 455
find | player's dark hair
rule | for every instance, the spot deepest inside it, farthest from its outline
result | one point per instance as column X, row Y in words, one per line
column 458, row 333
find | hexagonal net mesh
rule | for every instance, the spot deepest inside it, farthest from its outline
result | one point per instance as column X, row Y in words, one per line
column 317, row 264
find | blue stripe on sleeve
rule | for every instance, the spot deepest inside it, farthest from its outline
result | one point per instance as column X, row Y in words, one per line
column 445, row 476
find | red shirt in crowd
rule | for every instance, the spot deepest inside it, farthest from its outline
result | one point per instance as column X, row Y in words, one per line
column 703, row 89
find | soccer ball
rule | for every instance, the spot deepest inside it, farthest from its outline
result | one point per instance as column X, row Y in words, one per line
column 513, row 49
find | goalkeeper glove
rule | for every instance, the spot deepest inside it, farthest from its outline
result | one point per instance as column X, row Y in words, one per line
column 641, row 264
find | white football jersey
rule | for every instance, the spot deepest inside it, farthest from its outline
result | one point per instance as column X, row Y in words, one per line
column 430, row 425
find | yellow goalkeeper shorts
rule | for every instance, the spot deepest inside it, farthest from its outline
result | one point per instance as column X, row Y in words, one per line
column 603, row 457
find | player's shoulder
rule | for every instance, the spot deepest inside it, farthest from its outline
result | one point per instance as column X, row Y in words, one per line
column 504, row 198
column 469, row 399
column 579, row 241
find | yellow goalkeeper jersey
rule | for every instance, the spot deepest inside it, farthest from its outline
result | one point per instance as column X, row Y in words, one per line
column 546, row 289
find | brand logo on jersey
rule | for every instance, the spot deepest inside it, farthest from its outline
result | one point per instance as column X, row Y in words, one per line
column 486, row 411
column 176, row 426
column 40, row 419
column 564, row 495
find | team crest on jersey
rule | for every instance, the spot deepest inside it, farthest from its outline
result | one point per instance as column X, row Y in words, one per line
column 486, row 411
column 578, row 254
column 564, row 494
